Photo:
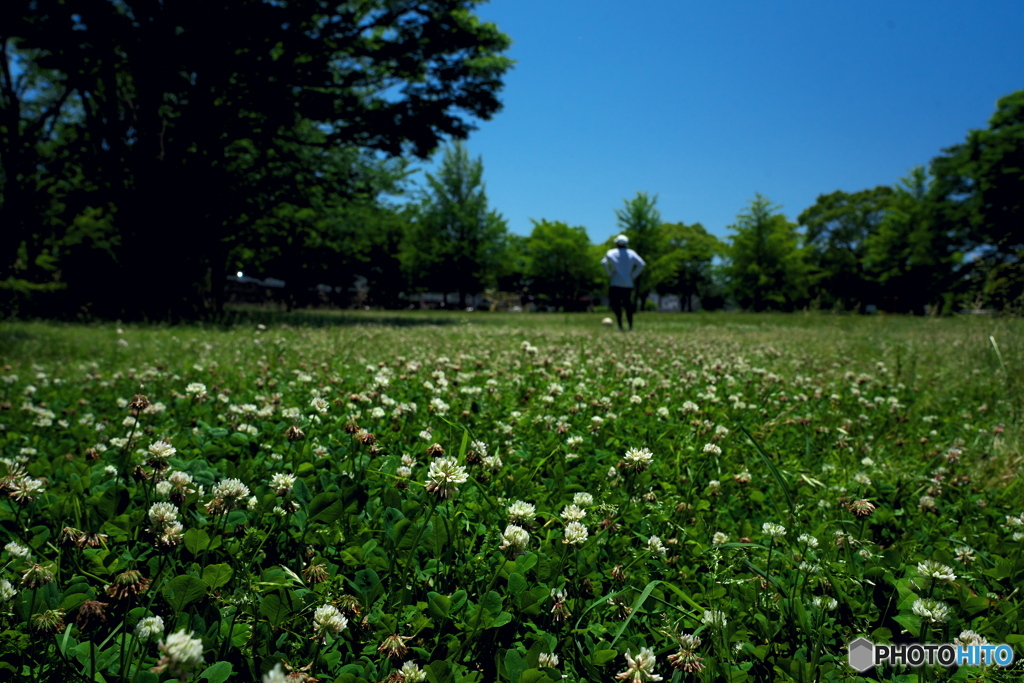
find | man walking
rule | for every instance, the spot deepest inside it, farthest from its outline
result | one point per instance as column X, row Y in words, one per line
column 623, row 265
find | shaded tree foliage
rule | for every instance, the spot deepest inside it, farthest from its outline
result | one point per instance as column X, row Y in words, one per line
column 559, row 262
column 150, row 100
column 836, row 232
column 767, row 267
column 910, row 257
column 455, row 242
column 978, row 192
column 683, row 262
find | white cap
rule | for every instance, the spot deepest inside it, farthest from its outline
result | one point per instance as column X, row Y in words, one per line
column 622, row 240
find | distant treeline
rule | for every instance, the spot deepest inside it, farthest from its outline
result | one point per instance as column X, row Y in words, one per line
column 147, row 153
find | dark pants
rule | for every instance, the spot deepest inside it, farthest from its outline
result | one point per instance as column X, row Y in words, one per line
column 619, row 298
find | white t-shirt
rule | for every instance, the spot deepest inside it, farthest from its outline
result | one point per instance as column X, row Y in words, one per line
column 623, row 265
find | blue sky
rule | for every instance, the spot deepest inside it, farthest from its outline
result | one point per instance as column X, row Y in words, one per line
column 707, row 103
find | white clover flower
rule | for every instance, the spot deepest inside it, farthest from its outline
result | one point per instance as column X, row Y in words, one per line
column 320, row 405
column 862, row 479
column 412, row 673
column 181, row 653
column 583, row 500
column 328, row 620
column 639, row 668
column 655, row 546
column 638, row 459
column 824, row 603
column 6, row 591
column 443, row 477
column 161, row 450
column 162, row 513
column 521, row 512
column 180, row 480
column 283, row 482
column 275, row 675
column 547, row 659
column 964, row 555
column 808, row 540
column 719, row 538
column 936, row 570
column 404, row 472
column 573, row 513
column 934, row 611
column 968, row 638
column 515, row 539
column 575, row 533
column 714, row 618
column 689, row 641
column 773, row 530
column 149, row 627
column 231, row 489
column 712, row 449
column 492, row 463
column 163, row 488
column 17, row 550
column 196, row 389
column 574, row 441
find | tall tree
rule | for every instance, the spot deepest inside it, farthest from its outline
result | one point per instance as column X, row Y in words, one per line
column 836, row 232
column 979, row 184
column 455, row 242
column 559, row 262
column 158, row 93
column 319, row 216
column 639, row 220
column 910, row 256
column 683, row 265
column 767, row 268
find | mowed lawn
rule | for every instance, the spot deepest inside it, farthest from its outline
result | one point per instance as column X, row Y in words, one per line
column 371, row 496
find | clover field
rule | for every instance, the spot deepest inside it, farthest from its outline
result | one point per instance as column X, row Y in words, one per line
column 508, row 498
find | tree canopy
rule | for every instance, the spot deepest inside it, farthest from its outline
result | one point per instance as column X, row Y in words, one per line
column 455, row 242
column 560, row 263
column 767, row 267
column 155, row 113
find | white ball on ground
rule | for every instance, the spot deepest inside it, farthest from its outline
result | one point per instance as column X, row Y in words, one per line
column 608, row 322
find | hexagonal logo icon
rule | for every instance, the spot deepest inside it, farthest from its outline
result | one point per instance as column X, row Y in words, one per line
column 862, row 654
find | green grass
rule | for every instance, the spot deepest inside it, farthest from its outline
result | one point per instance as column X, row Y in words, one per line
column 805, row 421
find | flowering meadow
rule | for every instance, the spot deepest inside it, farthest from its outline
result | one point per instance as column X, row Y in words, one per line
column 519, row 499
